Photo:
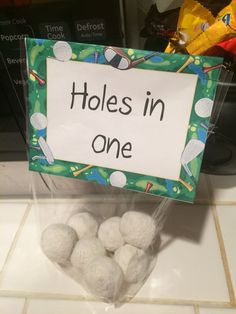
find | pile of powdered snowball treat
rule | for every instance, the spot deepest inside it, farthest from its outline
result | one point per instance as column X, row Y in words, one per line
column 109, row 256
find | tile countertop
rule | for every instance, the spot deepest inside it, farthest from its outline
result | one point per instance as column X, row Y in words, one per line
column 195, row 271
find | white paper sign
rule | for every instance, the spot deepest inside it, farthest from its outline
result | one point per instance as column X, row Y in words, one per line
column 134, row 120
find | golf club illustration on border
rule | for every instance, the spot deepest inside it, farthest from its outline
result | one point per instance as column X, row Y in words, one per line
column 193, row 148
column 118, row 59
column 39, row 122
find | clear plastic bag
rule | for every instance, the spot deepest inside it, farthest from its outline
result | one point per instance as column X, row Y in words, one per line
column 106, row 239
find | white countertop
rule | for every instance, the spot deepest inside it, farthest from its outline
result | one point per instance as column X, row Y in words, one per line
column 195, row 271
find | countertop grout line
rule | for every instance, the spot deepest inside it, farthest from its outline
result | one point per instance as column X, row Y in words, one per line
column 26, row 306
column 14, row 242
column 14, row 200
column 223, row 255
column 47, row 296
column 196, row 309
column 43, row 201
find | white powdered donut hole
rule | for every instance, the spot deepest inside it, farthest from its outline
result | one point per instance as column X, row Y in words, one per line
column 84, row 224
column 85, row 251
column 109, row 234
column 104, row 278
column 133, row 261
column 138, row 229
column 57, row 242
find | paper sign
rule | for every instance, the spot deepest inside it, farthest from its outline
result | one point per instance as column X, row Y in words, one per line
column 127, row 118
column 116, row 105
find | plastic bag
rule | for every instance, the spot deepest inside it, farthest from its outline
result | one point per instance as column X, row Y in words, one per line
column 106, row 239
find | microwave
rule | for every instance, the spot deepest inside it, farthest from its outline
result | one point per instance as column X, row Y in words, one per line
column 98, row 22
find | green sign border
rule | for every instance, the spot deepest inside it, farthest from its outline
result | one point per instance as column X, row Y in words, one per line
column 37, row 52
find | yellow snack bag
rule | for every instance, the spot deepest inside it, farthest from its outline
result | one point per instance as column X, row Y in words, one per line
column 193, row 20
column 223, row 28
column 228, row 15
column 198, row 30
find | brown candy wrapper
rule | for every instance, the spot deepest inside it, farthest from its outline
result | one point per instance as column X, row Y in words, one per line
column 198, row 29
